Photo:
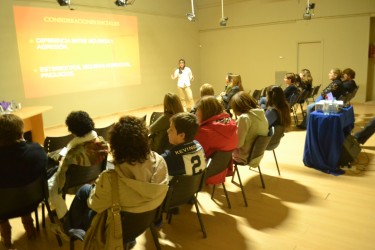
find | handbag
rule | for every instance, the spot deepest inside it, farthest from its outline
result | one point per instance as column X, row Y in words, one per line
column 105, row 231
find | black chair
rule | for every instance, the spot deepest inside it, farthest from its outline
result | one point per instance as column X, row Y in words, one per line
column 314, row 92
column 144, row 118
column 182, row 190
column 302, row 99
column 52, row 143
column 257, row 150
column 275, row 141
column 76, row 176
column 154, row 116
column 216, row 164
column 103, row 132
column 133, row 225
column 293, row 102
column 16, row 202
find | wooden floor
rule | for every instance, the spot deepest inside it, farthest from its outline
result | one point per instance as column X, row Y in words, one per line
column 301, row 209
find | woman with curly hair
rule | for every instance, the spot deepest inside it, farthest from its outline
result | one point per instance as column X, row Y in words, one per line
column 142, row 177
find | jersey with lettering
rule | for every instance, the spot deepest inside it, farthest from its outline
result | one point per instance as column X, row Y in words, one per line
column 185, row 159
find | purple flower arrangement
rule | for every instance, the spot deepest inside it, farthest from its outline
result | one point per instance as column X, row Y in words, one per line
column 6, row 105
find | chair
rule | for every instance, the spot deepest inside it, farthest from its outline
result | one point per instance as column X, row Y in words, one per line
column 217, row 164
column 16, row 202
column 302, row 99
column 182, row 190
column 143, row 118
column 293, row 101
column 76, row 176
column 103, row 132
column 275, row 141
column 314, row 92
column 155, row 116
column 257, row 150
column 133, row 225
column 54, row 143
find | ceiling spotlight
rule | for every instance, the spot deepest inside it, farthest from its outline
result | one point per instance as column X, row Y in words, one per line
column 191, row 16
column 65, row 3
column 309, row 10
column 223, row 19
column 122, row 3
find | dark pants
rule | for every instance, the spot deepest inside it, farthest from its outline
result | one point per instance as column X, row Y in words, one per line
column 80, row 215
column 363, row 135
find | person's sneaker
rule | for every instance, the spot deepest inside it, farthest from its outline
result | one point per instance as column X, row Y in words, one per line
column 56, row 229
column 130, row 244
column 77, row 233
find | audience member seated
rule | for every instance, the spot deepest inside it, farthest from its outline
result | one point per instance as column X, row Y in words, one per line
column 85, row 149
column 158, row 130
column 187, row 155
column 205, row 89
column 217, row 132
column 21, row 163
column 278, row 111
column 306, row 80
column 335, row 87
column 142, row 178
column 251, row 122
column 348, row 82
column 228, row 85
column 291, row 88
column 363, row 135
column 236, row 87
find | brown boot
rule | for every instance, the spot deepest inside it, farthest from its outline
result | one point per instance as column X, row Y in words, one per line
column 6, row 233
column 28, row 224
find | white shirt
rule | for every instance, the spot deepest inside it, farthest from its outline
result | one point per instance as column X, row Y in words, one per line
column 183, row 79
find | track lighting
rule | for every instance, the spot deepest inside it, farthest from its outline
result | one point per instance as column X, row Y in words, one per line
column 122, row 3
column 191, row 16
column 65, row 3
column 223, row 19
column 309, row 10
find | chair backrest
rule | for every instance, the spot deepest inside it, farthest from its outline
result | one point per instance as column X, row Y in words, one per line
column 19, row 201
column 315, row 91
column 294, row 99
column 182, row 188
column 134, row 224
column 103, row 132
column 143, row 118
column 259, row 145
column 155, row 116
column 77, row 176
column 52, row 143
column 276, row 138
column 218, row 162
column 304, row 95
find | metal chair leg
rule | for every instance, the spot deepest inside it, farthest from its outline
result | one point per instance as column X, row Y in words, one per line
column 261, row 177
column 241, row 186
column 226, row 195
column 200, row 218
column 277, row 165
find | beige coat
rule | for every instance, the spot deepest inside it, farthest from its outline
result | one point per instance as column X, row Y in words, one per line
column 142, row 187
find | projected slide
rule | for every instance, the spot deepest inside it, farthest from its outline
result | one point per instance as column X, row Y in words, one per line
column 64, row 51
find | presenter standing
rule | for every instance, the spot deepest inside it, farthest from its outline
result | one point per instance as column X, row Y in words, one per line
column 184, row 75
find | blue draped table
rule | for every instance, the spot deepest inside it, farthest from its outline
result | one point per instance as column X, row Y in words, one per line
column 325, row 136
